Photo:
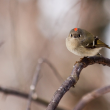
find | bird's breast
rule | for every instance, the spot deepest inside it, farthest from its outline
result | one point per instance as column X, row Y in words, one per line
column 71, row 44
column 82, row 51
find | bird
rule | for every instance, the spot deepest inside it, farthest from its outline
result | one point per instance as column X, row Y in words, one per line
column 83, row 43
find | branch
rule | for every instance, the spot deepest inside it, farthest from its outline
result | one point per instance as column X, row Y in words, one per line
column 90, row 96
column 73, row 78
column 36, row 76
column 58, row 76
column 25, row 95
column 34, row 83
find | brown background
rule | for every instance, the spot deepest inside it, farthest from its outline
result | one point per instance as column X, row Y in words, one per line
column 33, row 29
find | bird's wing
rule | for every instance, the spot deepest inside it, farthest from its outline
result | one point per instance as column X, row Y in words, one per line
column 95, row 42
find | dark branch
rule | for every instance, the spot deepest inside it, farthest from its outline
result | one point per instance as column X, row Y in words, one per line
column 90, row 96
column 73, row 78
column 25, row 95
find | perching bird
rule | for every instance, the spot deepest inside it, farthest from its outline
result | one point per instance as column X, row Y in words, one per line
column 82, row 43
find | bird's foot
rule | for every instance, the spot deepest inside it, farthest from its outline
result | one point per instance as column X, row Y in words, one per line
column 99, row 55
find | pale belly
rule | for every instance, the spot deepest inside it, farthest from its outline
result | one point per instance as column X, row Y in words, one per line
column 81, row 51
column 73, row 46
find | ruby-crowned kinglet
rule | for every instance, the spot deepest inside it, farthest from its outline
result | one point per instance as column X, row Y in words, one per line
column 83, row 43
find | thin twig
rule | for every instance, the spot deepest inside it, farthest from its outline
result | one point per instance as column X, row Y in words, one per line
column 58, row 76
column 25, row 95
column 34, row 82
column 90, row 96
column 73, row 78
column 36, row 76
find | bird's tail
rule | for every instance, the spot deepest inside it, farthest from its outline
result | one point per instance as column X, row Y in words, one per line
column 108, row 47
column 101, row 44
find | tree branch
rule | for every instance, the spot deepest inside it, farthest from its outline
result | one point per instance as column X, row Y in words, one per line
column 58, row 76
column 90, row 96
column 25, row 95
column 73, row 78
column 34, row 83
column 36, row 76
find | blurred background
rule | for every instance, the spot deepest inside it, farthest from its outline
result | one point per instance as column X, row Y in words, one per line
column 33, row 29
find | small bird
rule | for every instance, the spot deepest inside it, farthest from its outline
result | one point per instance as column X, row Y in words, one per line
column 82, row 43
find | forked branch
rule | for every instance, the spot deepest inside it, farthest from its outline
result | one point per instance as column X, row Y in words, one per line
column 73, row 78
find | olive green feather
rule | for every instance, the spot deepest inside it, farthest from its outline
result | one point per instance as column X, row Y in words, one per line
column 96, row 44
column 99, row 43
column 91, row 41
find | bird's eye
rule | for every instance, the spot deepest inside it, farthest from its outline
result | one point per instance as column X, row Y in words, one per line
column 71, row 35
column 79, row 35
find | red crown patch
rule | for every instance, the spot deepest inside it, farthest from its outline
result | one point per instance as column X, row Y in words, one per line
column 75, row 29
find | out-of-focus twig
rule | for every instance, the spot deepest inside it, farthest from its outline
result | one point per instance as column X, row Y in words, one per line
column 36, row 76
column 34, row 82
column 73, row 78
column 25, row 95
column 58, row 76
column 90, row 96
